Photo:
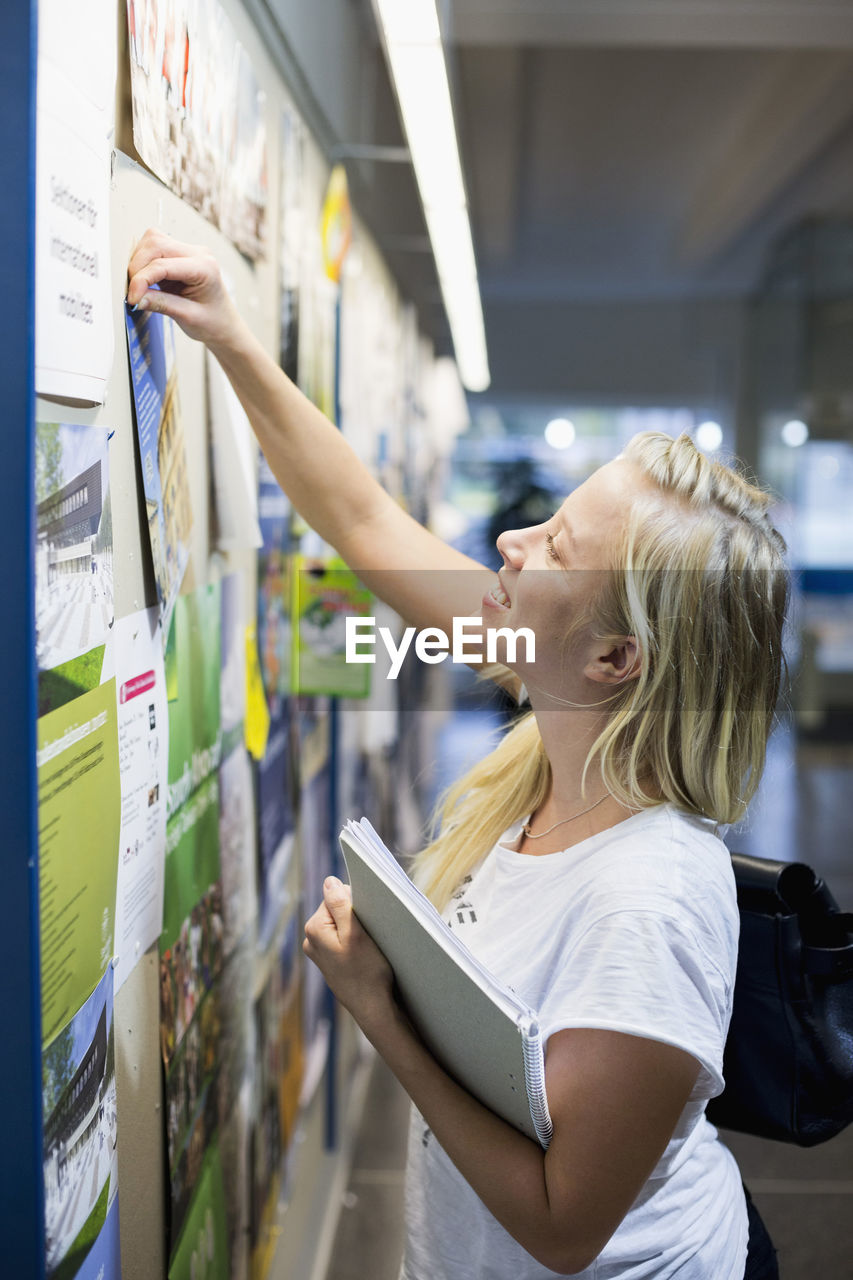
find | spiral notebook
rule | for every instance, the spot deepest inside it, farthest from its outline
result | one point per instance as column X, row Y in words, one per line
column 478, row 1029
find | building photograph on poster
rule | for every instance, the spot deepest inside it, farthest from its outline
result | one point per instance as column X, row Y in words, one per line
column 80, row 1165
column 74, row 561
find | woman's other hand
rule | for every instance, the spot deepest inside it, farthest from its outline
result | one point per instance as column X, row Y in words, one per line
column 348, row 958
column 190, row 289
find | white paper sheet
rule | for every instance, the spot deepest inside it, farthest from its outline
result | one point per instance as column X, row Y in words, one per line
column 74, row 128
column 143, row 743
column 234, row 453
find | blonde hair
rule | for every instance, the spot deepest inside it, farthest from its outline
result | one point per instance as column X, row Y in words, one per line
column 701, row 584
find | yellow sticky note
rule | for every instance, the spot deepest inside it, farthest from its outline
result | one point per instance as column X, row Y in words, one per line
column 257, row 714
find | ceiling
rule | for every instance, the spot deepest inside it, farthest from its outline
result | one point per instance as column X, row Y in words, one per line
column 627, row 152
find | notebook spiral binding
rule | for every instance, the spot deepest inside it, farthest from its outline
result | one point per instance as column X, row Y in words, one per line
column 534, row 1074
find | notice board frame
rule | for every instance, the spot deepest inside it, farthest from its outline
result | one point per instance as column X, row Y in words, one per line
column 21, row 1175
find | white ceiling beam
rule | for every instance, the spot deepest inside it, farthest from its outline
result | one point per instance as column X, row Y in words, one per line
column 794, row 112
column 725, row 24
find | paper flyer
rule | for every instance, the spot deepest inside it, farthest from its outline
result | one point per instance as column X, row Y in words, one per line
column 73, row 562
column 193, row 687
column 315, row 842
column 80, row 1165
column 159, row 427
column 79, row 811
column 265, row 1140
column 234, row 1151
column 202, row 1249
column 274, row 584
column 237, row 846
column 236, row 1080
column 191, row 944
column 143, row 741
column 234, row 453
column 276, row 822
column 243, row 214
column 192, row 1106
column 336, row 220
column 292, row 149
column 178, row 119
column 74, row 126
column 326, row 593
column 318, row 315
column 291, row 1055
column 232, row 670
column 198, row 113
column 257, row 725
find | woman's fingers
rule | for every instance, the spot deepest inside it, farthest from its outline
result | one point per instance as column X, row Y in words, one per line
column 193, row 274
column 183, row 310
column 156, row 244
column 189, row 286
column 337, row 898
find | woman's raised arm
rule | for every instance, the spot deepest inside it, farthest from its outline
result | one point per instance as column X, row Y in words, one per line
column 415, row 572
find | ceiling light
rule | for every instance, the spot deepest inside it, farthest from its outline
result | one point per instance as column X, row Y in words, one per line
column 795, row 433
column 408, row 22
column 560, row 433
column 709, row 436
column 412, row 39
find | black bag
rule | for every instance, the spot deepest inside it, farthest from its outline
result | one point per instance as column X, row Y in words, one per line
column 788, row 1061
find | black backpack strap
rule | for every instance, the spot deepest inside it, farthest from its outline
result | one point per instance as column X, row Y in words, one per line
column 792, row 888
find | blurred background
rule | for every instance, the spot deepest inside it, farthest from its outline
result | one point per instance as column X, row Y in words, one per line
column 660, row 196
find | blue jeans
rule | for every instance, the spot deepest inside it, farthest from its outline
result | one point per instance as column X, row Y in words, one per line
column 760, row 1254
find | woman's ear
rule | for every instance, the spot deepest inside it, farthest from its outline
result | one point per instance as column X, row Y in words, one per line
column 616, row 663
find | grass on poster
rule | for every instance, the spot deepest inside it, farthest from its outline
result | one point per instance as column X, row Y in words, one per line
column 67, row 681
column 86, row 1237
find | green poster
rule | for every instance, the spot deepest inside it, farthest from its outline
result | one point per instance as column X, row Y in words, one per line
column 191, row 942
column 202, row 1249
column 79, row 818
column 192, row 856
column 326, row 593
column 193, row 674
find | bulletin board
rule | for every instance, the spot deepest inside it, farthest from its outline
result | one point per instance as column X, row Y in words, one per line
column 184, row 1052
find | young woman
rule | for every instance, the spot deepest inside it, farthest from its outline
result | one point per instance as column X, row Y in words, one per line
column 581, row 860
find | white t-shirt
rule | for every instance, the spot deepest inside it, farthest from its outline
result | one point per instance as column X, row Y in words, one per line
column 632, row 930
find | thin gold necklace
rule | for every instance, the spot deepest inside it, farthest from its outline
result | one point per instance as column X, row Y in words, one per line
column 563, row 821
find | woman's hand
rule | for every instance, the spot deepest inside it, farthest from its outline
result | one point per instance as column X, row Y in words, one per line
column 190, row 290
column 349, row 959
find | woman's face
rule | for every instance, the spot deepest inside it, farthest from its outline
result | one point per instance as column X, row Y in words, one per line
column 551, row 572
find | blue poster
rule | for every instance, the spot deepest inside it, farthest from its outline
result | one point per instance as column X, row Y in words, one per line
column 162, row 451
column 274, row 802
